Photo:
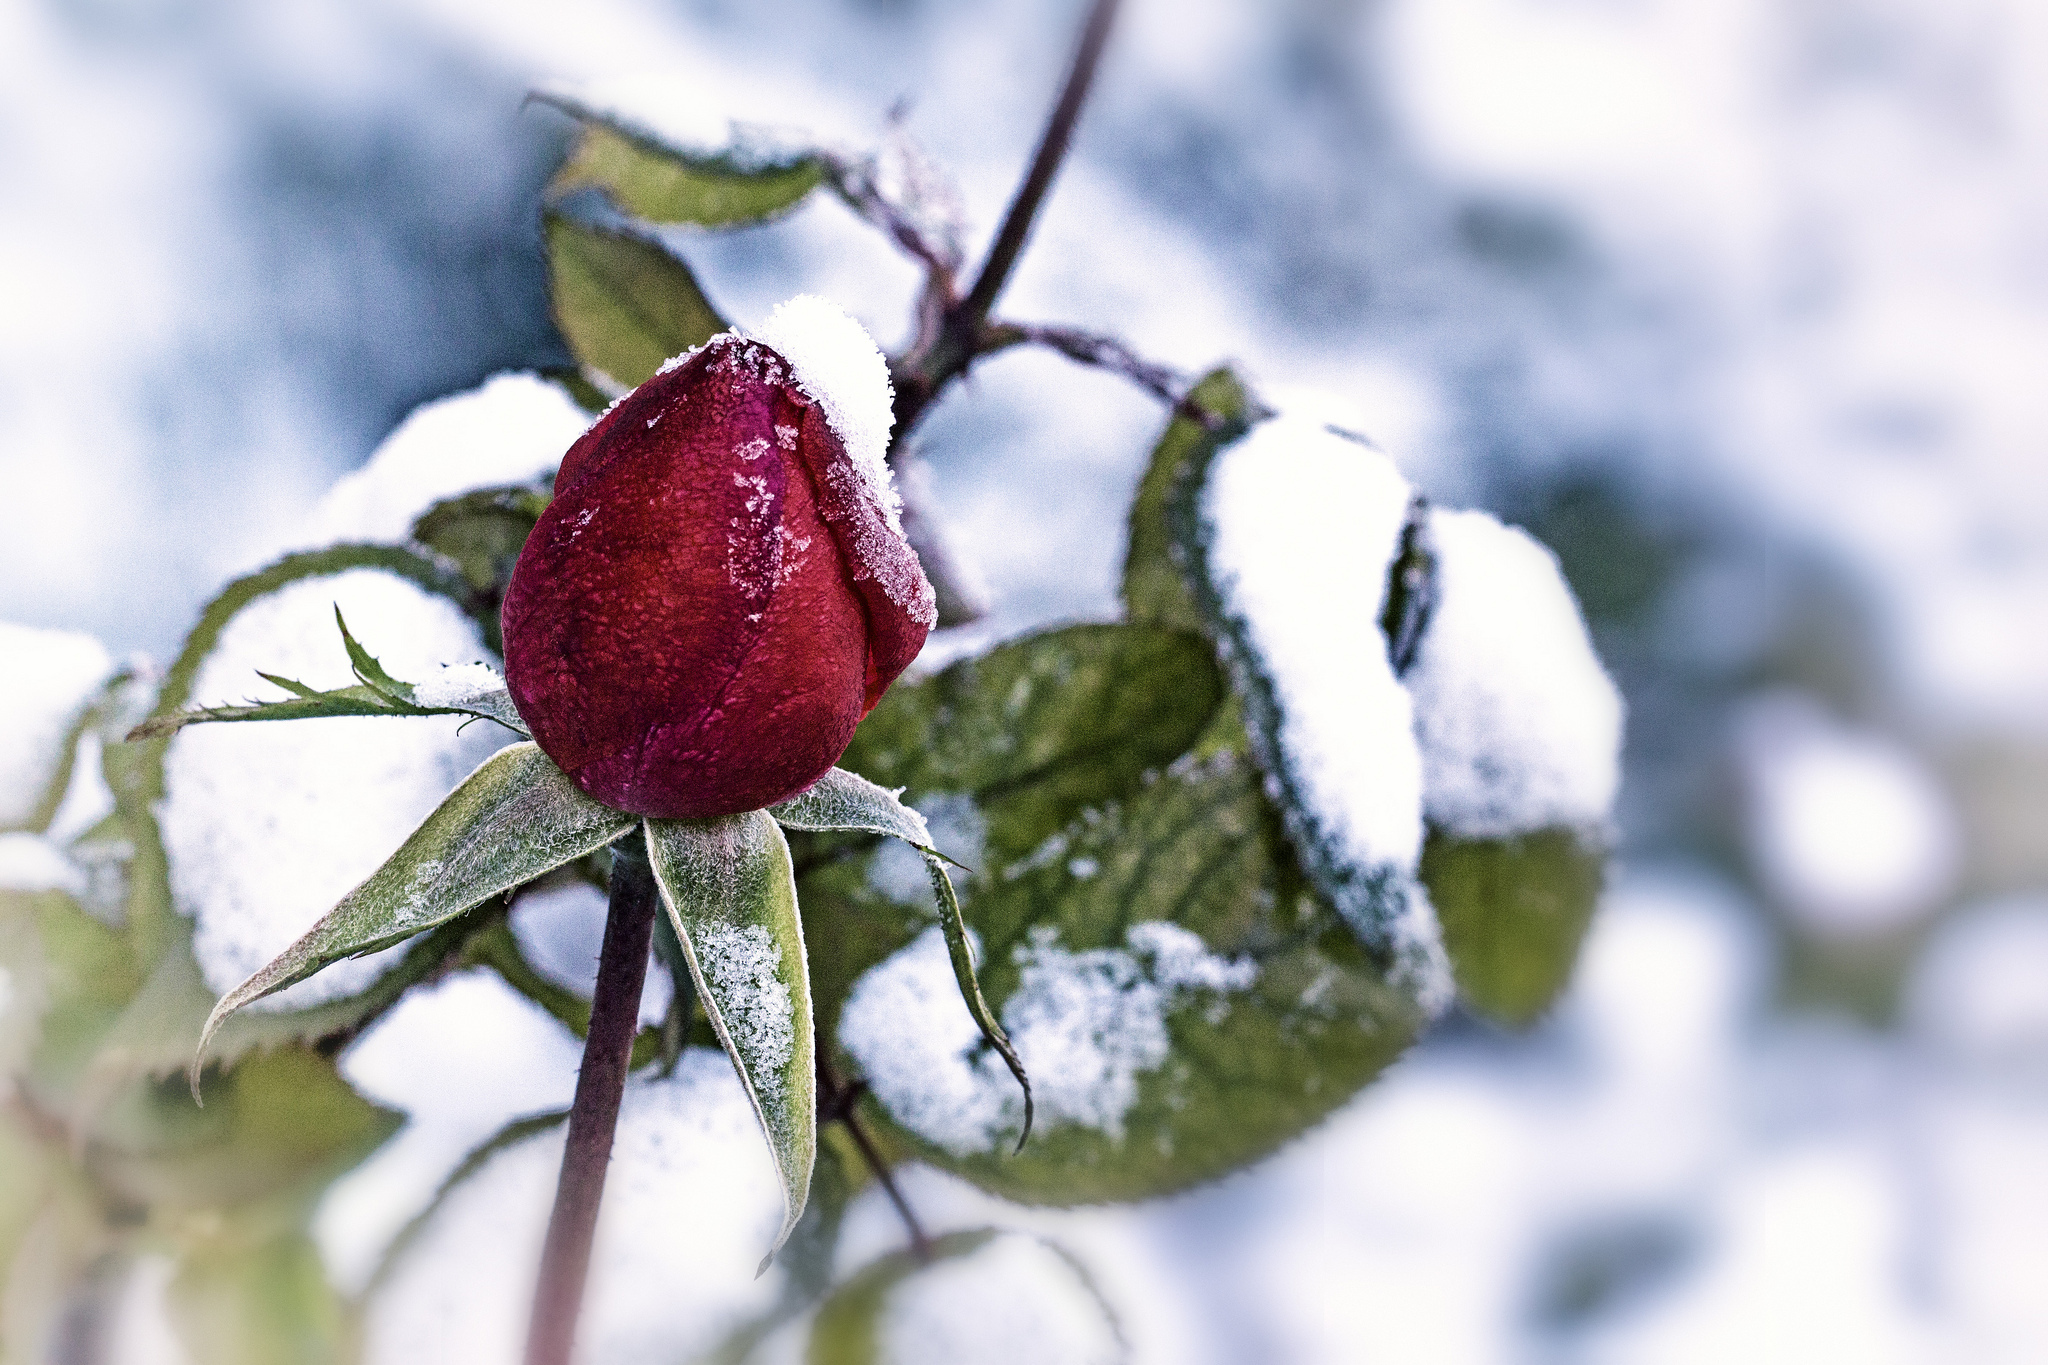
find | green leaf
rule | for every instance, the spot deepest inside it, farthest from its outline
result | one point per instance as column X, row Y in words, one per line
column 1297, row 1019
column 624, row 301
column 279, row 1127
column 517, row 816
column 70, row 979
column 844, row 801
column 1514, row 912
column 848, row 1327
column 377, row 694
column 730, row 893
column 482, row 532
column 259, row 1305
column 667, row 185
column 1155, row 590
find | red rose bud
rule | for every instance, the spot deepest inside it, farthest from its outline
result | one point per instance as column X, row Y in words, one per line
column 721, row 588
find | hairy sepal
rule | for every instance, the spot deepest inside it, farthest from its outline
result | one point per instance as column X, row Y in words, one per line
column 730, row 892
column 515, row 818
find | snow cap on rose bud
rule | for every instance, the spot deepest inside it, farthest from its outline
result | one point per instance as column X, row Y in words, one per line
column 721, row 588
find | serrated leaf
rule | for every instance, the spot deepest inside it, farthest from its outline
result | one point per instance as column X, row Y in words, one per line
column 1514, row 912
column 730, row 894
column 516, row 817
column 482, row 532
column 666, row 185
column 1154, row 589
column 624, row 301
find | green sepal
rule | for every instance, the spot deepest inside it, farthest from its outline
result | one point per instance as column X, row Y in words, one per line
column 730, row 893
column 841, row 801
column 625, row 302
column 513, row 819
column 1514, row 912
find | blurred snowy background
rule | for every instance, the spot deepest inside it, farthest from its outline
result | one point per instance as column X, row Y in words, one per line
column 1741, row 306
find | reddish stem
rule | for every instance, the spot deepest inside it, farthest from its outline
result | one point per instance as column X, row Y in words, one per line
column 607, row 1052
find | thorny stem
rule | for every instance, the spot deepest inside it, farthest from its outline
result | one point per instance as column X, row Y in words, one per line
column 950, row 335
column 594, row 1115
column 839, row 1100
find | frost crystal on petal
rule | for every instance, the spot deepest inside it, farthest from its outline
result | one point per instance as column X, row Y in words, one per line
column 1088, row 1025
column 1519, row 727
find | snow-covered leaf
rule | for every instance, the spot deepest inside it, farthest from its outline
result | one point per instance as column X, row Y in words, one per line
column 730, row 892
column 670, row 185
column 625, row 302
column 514, row 818
column 1155, row 587
column 1514, row 912
column 1287, row 539
column 844, row 801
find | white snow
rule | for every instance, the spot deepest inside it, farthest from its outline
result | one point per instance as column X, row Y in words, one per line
column 1305, row 524
column 512, row 429
column 838, row 363
column 1980, row 989
column 560, row 930
column 1087, row 1026
column 459, row 1058
column 1519, row 726
column 47, row 680
column 743, row 973
column 451, row 684
column 690, row 1186
column 1848, row 830
column 29, row 862
column 1014, row 1300
column 268, row 825
column 957, row 829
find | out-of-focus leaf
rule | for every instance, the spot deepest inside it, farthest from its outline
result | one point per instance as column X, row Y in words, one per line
column 516, row 817
column 624, row 301
column 730, row 893
column 664, row 185
column 1514, row 912
column 280, row 1124
column 259, row 1305
column 1154, row 589
column 482, row 532
column 75, row 974
column 848, row 1327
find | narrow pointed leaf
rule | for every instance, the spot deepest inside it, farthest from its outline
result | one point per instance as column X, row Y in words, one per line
column 841, row 800
column 366, row 666
column 730, row 892
column 514, row 818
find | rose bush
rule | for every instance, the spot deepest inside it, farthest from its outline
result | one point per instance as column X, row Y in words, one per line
column 721, row 588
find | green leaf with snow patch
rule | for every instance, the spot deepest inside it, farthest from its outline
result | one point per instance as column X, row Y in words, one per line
column 516, row 817
column 730, row 893
column 665, row 184
column 841, row 801
column 624, row 301
column 1185, row 1001
column 1514, row 912
column 1155, row 589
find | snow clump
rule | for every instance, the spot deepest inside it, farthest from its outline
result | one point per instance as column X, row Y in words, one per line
column 1014, row 1301
column 1087, row 1026
column 838, row 363
column 1518, row 725
column 52, row 677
